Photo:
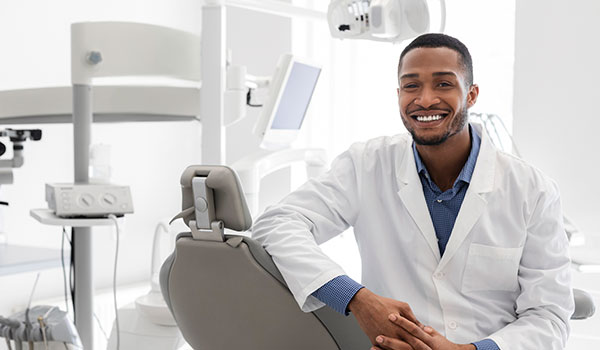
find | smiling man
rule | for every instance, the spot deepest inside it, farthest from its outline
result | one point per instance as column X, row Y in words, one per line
column 462, row 246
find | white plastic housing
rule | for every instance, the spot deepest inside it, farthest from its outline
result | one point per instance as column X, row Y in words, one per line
column 132, row 49
column 385, row 20
column 294, row 81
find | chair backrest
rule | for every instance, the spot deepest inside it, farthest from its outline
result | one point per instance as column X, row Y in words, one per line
column 223, row 298
column 228, row 294
column 114, row 49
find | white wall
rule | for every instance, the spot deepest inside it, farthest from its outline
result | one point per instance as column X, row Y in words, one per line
column 556, row 91
column 34, row 36
column 555, row 118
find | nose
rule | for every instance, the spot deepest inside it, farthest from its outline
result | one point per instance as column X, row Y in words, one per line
column 427, row 98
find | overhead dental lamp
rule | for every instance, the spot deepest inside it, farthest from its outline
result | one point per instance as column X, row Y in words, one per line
column 385, row 20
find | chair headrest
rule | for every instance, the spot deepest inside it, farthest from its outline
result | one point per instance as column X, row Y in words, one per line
column 229, row 203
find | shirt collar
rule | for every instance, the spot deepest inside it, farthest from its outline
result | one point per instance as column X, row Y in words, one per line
column 466, row 173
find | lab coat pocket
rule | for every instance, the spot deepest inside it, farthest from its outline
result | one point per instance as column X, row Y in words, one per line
column 491, row 268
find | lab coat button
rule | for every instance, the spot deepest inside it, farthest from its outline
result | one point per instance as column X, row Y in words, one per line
column 438, row 275
column 452, row 325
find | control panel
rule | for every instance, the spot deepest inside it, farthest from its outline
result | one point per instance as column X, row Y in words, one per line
column 88, row 200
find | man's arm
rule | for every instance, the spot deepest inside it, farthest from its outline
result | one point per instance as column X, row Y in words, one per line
column 545, row 304
column 486, row 344
column 370, row 310
column 291, row 230
column 338, row 292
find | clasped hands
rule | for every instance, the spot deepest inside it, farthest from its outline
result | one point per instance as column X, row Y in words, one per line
column 391, row 325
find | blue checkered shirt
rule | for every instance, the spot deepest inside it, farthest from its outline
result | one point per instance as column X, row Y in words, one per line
column 443, row 208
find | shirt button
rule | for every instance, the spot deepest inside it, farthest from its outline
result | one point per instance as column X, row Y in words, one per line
column 438, row 275
column 439, row 201
column 452, row 325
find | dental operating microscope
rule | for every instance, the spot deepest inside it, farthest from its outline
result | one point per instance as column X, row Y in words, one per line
column 17, row 138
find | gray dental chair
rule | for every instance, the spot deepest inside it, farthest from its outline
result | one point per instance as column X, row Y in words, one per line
column 225, row 292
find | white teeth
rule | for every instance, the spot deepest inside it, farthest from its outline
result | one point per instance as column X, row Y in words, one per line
column 428, row 118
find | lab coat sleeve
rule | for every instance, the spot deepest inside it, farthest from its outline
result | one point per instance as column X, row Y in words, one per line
column 545, row 303
column 291, row 230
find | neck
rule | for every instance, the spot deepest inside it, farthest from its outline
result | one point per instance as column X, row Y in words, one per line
column 445, row 161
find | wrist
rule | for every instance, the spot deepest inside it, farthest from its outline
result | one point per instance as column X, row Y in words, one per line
column 467, row 347
column 358, row 299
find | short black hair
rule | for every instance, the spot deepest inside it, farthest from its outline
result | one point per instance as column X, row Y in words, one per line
column 433, row 40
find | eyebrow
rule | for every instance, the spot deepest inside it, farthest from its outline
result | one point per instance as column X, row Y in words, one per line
column 435, row 74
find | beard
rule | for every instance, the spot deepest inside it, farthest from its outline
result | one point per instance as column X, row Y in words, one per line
column 455, row 127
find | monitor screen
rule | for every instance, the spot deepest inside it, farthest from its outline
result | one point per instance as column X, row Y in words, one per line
column 296, row 97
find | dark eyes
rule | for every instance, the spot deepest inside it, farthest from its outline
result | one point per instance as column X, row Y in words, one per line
column 442, row 84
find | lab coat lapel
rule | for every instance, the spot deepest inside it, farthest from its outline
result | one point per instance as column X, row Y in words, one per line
column 475, row 202
column 410, row 191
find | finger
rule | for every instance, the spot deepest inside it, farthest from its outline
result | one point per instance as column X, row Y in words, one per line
column 389, row 343
column 414, row 342
column 429, row 330
column 411, row 317
column 412, row 329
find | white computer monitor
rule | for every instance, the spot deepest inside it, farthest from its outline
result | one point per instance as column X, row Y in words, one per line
column 290, row 91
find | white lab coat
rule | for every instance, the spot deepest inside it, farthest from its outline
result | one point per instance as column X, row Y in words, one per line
column 505, row 272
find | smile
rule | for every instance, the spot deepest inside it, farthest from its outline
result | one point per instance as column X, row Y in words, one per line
column 429, row 118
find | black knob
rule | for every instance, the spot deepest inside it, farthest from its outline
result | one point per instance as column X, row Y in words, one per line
column 344, row 27
column 36, row 134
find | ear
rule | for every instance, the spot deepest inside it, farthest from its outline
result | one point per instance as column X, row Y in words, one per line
column 472, row 95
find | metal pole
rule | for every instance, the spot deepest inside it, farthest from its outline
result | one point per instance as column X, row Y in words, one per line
column 214, row 56
column 82, row 236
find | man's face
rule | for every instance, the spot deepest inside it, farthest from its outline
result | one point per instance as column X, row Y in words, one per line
column 432, row 96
